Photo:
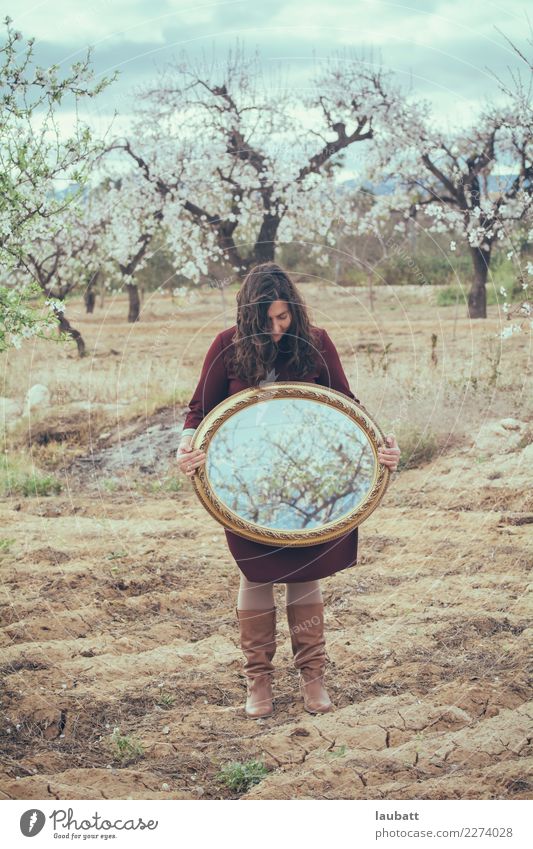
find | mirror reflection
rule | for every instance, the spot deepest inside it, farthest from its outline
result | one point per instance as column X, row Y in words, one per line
column 290, row 463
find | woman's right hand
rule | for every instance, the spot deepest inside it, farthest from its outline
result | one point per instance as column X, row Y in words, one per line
column 187, row 459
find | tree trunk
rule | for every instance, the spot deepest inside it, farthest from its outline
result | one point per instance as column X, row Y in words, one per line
column 264, row 252
column 66, row 327
column 477, row 297
column 265, row 246
column 135, row 304
column 90, row 298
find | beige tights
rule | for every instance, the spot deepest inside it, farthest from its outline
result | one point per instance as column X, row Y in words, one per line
column 260, row 596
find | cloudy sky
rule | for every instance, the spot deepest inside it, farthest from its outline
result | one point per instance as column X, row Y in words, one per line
column 445, row 50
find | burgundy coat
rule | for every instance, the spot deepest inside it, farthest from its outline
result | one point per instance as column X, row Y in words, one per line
column 259, row 562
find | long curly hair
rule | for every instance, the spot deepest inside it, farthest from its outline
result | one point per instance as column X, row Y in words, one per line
column 254, row 350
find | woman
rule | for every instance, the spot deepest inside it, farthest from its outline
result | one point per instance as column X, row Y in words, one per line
column 274, row 339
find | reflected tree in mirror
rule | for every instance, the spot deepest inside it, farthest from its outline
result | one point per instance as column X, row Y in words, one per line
column 290, row 463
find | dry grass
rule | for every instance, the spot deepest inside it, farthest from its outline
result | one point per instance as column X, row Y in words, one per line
column 390, row 360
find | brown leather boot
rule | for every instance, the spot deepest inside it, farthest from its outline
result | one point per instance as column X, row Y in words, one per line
column 258, row 642
column 306, row 627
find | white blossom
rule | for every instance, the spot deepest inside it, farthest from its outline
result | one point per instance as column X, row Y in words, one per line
column 55, row 305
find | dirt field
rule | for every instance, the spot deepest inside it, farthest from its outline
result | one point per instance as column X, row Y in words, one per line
column 118, row 604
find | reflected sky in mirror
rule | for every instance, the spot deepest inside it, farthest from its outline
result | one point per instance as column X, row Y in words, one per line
column 290, row 464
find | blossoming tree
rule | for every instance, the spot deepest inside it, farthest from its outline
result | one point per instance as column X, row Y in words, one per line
column 476, row 184
column 62, row 261
column 34, row 159
column 128, row 211
column 243, row 166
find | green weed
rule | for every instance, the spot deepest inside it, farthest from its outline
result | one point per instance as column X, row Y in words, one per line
column 110, row 485
column 124, row 748
column 239, row 777
column 172, row 483
column 114, row 555
column 418, row 447
column 337, row 751
column 19, row 477
column 166, row 700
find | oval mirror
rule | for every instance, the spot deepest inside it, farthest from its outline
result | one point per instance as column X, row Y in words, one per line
column 294, row 463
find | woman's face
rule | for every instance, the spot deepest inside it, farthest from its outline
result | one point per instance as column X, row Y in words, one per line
column 279, row 319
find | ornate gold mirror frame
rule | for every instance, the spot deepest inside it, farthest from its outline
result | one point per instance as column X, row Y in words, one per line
column 211, row 423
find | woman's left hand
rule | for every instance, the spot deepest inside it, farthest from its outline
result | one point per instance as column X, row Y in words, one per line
column 389, row 454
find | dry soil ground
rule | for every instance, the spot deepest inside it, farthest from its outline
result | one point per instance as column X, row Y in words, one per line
column 119, row 593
